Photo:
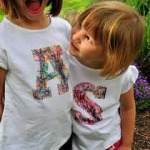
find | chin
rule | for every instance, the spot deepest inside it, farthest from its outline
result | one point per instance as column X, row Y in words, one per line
column 71, row 52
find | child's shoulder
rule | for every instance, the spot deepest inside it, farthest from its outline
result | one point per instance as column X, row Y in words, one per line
column 132, row 70
column 3, row 23
column 3, row 28
column 129, row 77
column 61, row 21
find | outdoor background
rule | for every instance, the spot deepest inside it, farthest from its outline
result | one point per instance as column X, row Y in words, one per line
column 71, row 9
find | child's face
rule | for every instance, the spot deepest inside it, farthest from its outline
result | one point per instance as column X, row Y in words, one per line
column 31, row 9
column 86, row 49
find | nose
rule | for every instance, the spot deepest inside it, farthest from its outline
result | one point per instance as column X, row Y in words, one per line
column 77, row 36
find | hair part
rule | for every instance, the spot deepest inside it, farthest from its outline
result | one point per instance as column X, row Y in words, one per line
column 119, row 29
column 10, row 7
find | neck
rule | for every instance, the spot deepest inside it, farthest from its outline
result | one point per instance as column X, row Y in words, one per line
column 32, row 24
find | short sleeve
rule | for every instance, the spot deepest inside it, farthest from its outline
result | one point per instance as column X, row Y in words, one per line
column 3, row 59
column 129, row 78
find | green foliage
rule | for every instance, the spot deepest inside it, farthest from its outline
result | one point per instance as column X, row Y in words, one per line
column 72, row 8
column 143, row 7
column 143, row 105
column 74, row 5
column 1, row 15
column 146, row 47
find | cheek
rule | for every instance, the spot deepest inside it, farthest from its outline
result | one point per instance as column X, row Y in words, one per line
column 86, row 51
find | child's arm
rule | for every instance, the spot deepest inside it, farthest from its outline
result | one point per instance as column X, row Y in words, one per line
column 127, row 112
column 2, row 85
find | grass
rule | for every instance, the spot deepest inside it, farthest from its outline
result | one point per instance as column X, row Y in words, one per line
column 73, row 5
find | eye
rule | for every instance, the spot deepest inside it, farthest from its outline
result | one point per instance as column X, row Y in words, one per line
column 87, row 37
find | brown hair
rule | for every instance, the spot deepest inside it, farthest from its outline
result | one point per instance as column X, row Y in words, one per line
column 10, row 7
column 119, row 29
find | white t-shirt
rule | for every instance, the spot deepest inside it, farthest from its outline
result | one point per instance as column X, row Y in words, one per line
column 37, row 92
column 96, row 120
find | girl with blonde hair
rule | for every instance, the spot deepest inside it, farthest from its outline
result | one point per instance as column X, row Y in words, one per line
column 106, row 39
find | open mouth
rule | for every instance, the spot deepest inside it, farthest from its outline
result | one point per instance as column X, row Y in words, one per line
column 33, row 4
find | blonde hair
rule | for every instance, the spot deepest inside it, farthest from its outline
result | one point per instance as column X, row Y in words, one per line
column 10, row 7
column 119, row 29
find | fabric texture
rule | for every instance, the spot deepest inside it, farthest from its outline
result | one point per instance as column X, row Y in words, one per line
column 96, row 119
column 37, row 89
